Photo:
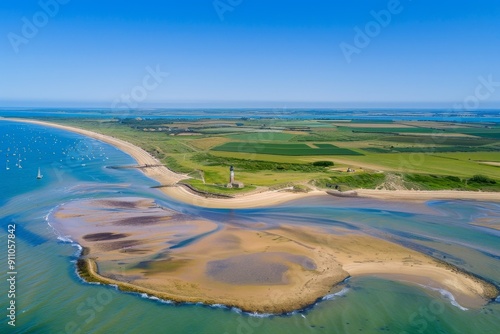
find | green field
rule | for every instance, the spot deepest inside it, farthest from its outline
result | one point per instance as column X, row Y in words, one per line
column 396, row 130
column 430, row 150
column 438, row 182
column 262, row 136
column 435, row 140
column 274, row 153
column 492, row 133
column 284, row 149
column 346, row 182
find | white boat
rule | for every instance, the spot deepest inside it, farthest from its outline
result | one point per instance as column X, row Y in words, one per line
column 39, row 176
column 7, row 165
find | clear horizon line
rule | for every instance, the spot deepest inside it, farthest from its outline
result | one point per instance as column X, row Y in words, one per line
column 263, row 108
column 231, row 104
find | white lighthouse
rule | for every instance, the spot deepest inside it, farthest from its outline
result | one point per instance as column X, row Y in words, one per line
column 232, row 183
column 231, row 175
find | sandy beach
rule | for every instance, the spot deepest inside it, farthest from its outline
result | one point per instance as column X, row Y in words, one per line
column 260, row 268
column 423, row 195
column 268, row 198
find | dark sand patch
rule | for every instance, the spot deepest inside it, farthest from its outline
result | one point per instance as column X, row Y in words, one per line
column 136, row 251
column 117, row 204
column 142, row 220
column 258, row 268
column 104, row 236
column 161, row 266
column 111, row 246
column 247, row 272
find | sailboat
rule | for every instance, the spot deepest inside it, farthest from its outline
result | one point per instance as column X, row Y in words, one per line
column 39, row 176
column 7, row 165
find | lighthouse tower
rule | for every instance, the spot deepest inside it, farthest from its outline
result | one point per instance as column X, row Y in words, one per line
column 231, row 175
column 232, row 183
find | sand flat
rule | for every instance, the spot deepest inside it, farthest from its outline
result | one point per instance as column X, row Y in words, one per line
column 255, row 267
column 229, row 265
column 364, row 255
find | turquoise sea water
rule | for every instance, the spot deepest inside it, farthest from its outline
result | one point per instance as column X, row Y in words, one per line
column 50, row 298
column 371, row 114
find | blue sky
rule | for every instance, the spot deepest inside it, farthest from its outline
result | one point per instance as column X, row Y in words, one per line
column 257, row 52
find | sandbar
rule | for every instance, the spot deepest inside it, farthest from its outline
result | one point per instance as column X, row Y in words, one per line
column 265, row 268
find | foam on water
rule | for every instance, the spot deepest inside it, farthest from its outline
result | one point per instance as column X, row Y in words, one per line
column 156, row 299
column 65, row 239
column 447, row 295
column 332, row 296
column 217, row 305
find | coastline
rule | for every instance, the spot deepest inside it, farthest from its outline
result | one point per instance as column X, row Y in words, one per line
column 165, row 176
column 426, row 195
column 87, row 270
column 359, row 255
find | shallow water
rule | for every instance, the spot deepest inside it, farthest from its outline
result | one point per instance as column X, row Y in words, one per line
column 262, row 268
column 50, row 298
